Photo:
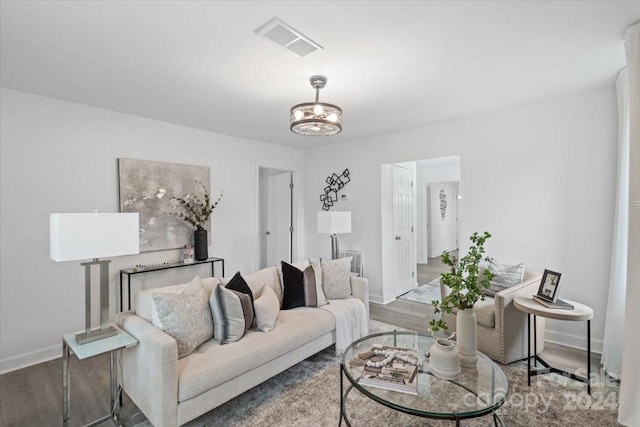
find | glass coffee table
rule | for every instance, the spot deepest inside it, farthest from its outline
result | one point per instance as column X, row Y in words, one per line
column 478, row 391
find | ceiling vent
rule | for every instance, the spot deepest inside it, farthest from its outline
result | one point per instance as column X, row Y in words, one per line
column 287, row 37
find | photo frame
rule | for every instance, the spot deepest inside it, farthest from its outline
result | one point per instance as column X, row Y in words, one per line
column 549, row 286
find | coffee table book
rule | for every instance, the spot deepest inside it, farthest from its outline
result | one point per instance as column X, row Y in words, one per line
column 397, row 376
column 561, row 304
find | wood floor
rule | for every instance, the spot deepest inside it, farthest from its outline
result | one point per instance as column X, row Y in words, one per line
column 33, row 396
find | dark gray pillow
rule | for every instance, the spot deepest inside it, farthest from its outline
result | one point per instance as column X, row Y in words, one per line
column 504, row 276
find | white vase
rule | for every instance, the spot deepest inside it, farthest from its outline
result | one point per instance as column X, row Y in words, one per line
column 467, row 332
column 443, row 360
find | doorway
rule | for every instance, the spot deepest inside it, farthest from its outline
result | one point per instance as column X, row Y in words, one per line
column 430, row 226
column 276, row 216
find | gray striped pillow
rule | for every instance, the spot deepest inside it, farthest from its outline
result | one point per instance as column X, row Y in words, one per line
column 504, row 276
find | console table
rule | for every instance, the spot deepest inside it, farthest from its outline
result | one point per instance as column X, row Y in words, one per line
column 140, row 270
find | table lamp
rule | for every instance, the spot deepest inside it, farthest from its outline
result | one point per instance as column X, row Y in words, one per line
column 334, row 223
column 80, row 236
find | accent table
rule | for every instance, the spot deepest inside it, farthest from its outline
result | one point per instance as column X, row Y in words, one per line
column 477, row 392
column 140, row 270
column 112, row 345
column 580, row 312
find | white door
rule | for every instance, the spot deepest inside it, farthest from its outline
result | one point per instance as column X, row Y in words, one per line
column 403, row 230
column 279, row 230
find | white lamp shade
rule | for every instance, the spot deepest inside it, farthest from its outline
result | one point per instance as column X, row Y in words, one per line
column 334, row 222
column 79, row 236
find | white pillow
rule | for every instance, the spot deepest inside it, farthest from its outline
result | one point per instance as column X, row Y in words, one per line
column 185, row 316
column 336, row 278
column 267, row 307
column 316, row 264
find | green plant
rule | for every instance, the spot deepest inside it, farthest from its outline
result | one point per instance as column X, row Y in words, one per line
column 197, row 208
column 462, row 280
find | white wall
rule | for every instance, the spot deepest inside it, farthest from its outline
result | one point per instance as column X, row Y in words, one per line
column 445, row 169
column 443, row 230
column 62, row 157
column 540, row 178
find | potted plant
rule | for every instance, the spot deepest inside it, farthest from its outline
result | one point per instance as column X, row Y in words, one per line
column 197, row 209
column 466, row 288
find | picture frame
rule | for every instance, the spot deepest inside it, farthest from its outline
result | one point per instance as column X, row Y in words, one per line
column 549, row 286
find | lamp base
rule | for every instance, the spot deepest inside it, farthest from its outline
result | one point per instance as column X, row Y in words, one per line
column 96, row 335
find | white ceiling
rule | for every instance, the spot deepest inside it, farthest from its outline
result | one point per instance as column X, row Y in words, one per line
column 391, row 65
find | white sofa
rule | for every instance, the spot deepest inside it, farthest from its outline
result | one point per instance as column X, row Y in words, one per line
column 172, row 391
column 502, row 328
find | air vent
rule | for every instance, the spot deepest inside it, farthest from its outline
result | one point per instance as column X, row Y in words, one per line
column 287, row 37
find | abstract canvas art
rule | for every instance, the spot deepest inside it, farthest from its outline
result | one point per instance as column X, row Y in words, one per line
column 147, row 187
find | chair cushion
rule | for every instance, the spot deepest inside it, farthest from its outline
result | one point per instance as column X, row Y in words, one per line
column 504, row 276
column 485, row 312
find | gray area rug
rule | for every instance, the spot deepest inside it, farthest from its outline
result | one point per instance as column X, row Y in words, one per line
column 308, row 394
column 425, row 293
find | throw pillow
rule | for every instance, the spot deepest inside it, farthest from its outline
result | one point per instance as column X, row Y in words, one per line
column 236, row 313
column 267, row 308
column 317, row 269
column 237, row 283
column 336, row 278
column 300, row 264
column 299, row 287
column 504, row 276
column 185, row 316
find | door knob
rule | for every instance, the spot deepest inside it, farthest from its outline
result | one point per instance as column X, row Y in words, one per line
column 398, row 237
column 268, row 233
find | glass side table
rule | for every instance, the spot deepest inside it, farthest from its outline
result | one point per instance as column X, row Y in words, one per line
column 112, row 345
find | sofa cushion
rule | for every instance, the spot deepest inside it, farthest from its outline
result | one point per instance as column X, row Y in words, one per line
column 213, row 364
column 336, row 278
column 267, row 308
column 299, row 287
column 185, row 316
column 146, row 308
column 485, row 312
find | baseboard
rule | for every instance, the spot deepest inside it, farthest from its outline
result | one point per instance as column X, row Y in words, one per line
column 573, row 341
column 28, row 359
column 379, row 299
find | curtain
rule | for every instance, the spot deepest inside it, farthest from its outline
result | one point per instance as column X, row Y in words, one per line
column 629, row 409
column 614, row 324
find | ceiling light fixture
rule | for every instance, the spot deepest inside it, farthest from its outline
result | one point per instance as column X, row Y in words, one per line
column 316, row 118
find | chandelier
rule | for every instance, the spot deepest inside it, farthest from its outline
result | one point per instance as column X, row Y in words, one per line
column 316, row 118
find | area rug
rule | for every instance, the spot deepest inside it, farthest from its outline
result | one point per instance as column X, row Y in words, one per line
column 308, row 394
column 425, row 293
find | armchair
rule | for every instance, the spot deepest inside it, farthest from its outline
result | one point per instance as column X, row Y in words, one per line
column 502, row 328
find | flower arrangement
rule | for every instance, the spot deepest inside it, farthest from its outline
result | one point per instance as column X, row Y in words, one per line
column 197, row 209
column 462, row 280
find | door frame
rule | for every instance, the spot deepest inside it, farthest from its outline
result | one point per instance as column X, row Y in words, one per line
column 261, row 209
column 388, row 268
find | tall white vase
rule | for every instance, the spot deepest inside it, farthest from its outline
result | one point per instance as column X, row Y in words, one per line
column 467, row 332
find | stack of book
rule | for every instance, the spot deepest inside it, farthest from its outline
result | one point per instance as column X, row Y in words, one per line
column 397, row 375
column 559, row 303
